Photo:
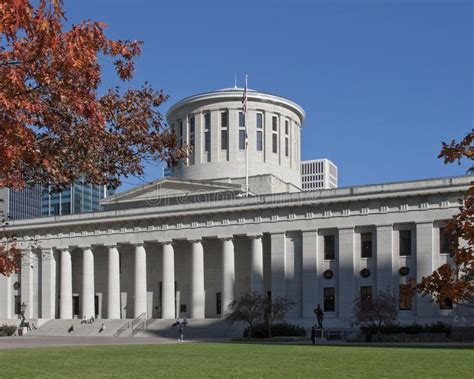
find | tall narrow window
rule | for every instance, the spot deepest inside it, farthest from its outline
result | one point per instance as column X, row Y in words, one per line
column 445, row 241
column 404, row 297
column 207, row 132
column 365, row 297
column 275, row 134
column 241, row 131
column 329, row 246
column 329, row 299
column 259, row 132
column 218, row 303
column 287, row 147
column 191, row 131
column 366, row 245
column 405, row 242
column 224, row 129
column 181, row 134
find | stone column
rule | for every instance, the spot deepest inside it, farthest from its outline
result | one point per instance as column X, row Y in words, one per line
column 140, row 303
column 256, row 273
column 6, row 296
column 48, row 283
column 228, row 273
column 424, row 265
column 65, row 305
column 88, row 288
column 113, row 283
column 26, row 279
column 278, row 264
column 168, row 286
column 346, row 276
column 384, row 257
column 310, row 277
column 197, row 280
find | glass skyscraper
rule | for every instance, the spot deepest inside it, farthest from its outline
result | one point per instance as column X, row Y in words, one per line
column 20, row 204
column 78, row 198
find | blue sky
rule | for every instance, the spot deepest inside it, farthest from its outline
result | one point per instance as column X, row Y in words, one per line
column 382, row 82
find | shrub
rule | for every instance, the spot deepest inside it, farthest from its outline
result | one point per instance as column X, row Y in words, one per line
column 7, row 330
column 277, row 330
column 438, row 327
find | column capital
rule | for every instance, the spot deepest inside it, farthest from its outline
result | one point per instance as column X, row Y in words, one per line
column 85, row 247
column 255, row 236
column 138, row 244
column 195, row 240
column 424, row 224
column 349, row 229
column 384, row 226
column 166, row 242
column 226, row 238
column 63, row 248
column 110, row 245
column 314, row 230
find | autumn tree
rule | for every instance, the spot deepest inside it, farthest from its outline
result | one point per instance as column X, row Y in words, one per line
column 276, row 310
column 55, row 125
column 454, row 281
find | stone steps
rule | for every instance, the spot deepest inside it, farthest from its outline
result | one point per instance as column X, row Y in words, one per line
column 61, row 327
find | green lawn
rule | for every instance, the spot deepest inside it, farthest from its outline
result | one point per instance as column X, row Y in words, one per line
column 236, row 360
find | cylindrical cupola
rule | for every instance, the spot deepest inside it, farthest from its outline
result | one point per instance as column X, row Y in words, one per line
column 214, row 125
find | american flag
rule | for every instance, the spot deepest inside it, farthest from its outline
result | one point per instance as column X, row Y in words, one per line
column 244, row 111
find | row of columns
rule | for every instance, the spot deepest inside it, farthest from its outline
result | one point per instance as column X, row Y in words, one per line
column 168, row 279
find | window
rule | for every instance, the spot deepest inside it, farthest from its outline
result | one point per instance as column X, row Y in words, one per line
column 242, row 133
column 275, row 143
column 259, row 141
column 242, row 139
column 365, row 297
column 445, row 241
column 404, row 297
column 182, row 308
column 181, row 134
column 275, row 123
column 286, row 147
column 446, row 304
column 329, row 247
column 207, row 132
column 224, row 128
column 241, row 120
column 329, row 299
column 259, row 132
column 405, row 242
column 191, row 131
column 366, row 245
column 286, row 127
column 218, row 303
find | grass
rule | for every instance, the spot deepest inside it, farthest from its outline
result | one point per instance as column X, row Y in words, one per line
column 221, row 360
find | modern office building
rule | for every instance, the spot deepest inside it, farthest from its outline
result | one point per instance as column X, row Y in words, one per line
column 80, row 197
column 318, row 174
column 187, row 245
column 20, row 204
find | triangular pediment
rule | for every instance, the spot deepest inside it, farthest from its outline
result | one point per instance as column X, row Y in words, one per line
column 168, row 188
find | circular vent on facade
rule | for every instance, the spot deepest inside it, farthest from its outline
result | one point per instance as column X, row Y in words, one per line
column 403, row 271
column 365, row 272
column 328, row 274
column 16, row 285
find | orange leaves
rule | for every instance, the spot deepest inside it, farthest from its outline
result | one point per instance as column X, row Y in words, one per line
column 54, row 127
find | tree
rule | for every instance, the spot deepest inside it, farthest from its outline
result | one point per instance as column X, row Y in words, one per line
column 55, row 127
column 376, row 312
column 247, row 308
column 276, row 310
column 454, row 281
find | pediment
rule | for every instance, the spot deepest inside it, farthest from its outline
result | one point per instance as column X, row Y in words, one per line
column 169, row 188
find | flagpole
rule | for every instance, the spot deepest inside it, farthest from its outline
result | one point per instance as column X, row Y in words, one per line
column 246, row 144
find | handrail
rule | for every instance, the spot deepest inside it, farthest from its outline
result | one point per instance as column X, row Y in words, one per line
column 138, row 328
column 122, row 329
column 138, row 319
column 148, row 322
